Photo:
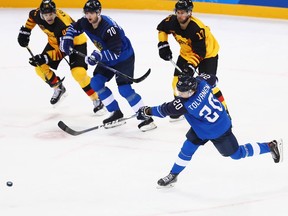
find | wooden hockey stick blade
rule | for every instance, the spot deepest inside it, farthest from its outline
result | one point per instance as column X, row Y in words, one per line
column 72, row 132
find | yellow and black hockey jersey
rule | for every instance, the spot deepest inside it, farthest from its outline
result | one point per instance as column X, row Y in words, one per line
column 196, row 41
column 56, row 30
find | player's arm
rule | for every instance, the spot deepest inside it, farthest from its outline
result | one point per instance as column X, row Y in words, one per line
column 175, row 107
column 31, row 23
column 163, row 46
column 25, row 31
column 165, row 25
column 198, row 45
column 67, row 41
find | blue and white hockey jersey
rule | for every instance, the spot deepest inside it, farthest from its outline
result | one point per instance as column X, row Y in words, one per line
column 108, row 37
column 203, row 111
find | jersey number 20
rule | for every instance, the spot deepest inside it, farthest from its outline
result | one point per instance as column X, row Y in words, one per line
column 209, row 110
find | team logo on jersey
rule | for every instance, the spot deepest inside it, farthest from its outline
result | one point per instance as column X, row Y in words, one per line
column 98, row 45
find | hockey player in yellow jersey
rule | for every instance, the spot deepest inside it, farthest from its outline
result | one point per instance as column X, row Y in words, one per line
column 54, row 23
column 198, row 47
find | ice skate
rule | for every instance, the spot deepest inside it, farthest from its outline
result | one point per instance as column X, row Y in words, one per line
column 99, row 108
column 167, row 181
column 276, row 148
column 58, row 93
column 176, row 118
column 147, row 125
column 114, row 120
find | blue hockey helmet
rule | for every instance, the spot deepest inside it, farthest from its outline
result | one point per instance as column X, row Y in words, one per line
column 92, row 6
column 186, row 83
column 47, row 6
column 186, row 5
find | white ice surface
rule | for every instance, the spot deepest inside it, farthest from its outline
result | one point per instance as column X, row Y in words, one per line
column 114, row 172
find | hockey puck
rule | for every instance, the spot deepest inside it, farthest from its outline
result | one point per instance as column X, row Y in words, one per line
column 9, row 183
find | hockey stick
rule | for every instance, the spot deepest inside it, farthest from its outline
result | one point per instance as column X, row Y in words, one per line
column 176, row 66
column 135, row 80
column 179, row 69
column 46, row 79
column 72, row 132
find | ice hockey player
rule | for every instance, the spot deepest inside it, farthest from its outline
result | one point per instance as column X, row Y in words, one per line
column 198, row 46
column 209, row 122
column 115, row 51
column 54, row 23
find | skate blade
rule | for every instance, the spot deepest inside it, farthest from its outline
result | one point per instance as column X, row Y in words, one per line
column 100, row 112
column 114, row 124
column 60, row 100
column 149, row 127
column 280, row 147
column 166, row 187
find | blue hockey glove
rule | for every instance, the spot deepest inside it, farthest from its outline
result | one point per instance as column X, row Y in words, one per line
column 66, row 43
column 189, row 69
column 24, row 36
column 95, row 57
column 39, row 59
column 164, row 51
column 142, row 113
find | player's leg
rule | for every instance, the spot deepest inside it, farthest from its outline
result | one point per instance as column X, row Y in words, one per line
column 228, row 145
column 126, row 91
column 101, row 76
column 190, row 146
column 257, row 148
column 79, row 72
column 49, row 76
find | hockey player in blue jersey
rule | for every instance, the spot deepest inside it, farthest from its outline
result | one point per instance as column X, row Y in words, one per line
column 209, row 122
column 115, row 51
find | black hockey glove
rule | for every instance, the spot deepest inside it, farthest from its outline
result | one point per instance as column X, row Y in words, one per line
column 39, row 59
column 24, row 36
column 189, row 69
column 164, row 51
column 143, row 113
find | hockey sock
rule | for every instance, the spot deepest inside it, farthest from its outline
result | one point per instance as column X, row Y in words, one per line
column 134, row 99
column 184, row 156
column 250, row 149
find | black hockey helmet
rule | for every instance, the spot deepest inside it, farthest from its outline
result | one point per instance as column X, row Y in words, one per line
column 186, row 83
column 47, row 6
column 92, row 6
column 186, row 5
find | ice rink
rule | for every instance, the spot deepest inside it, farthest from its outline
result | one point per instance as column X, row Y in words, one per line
column 114, row 172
